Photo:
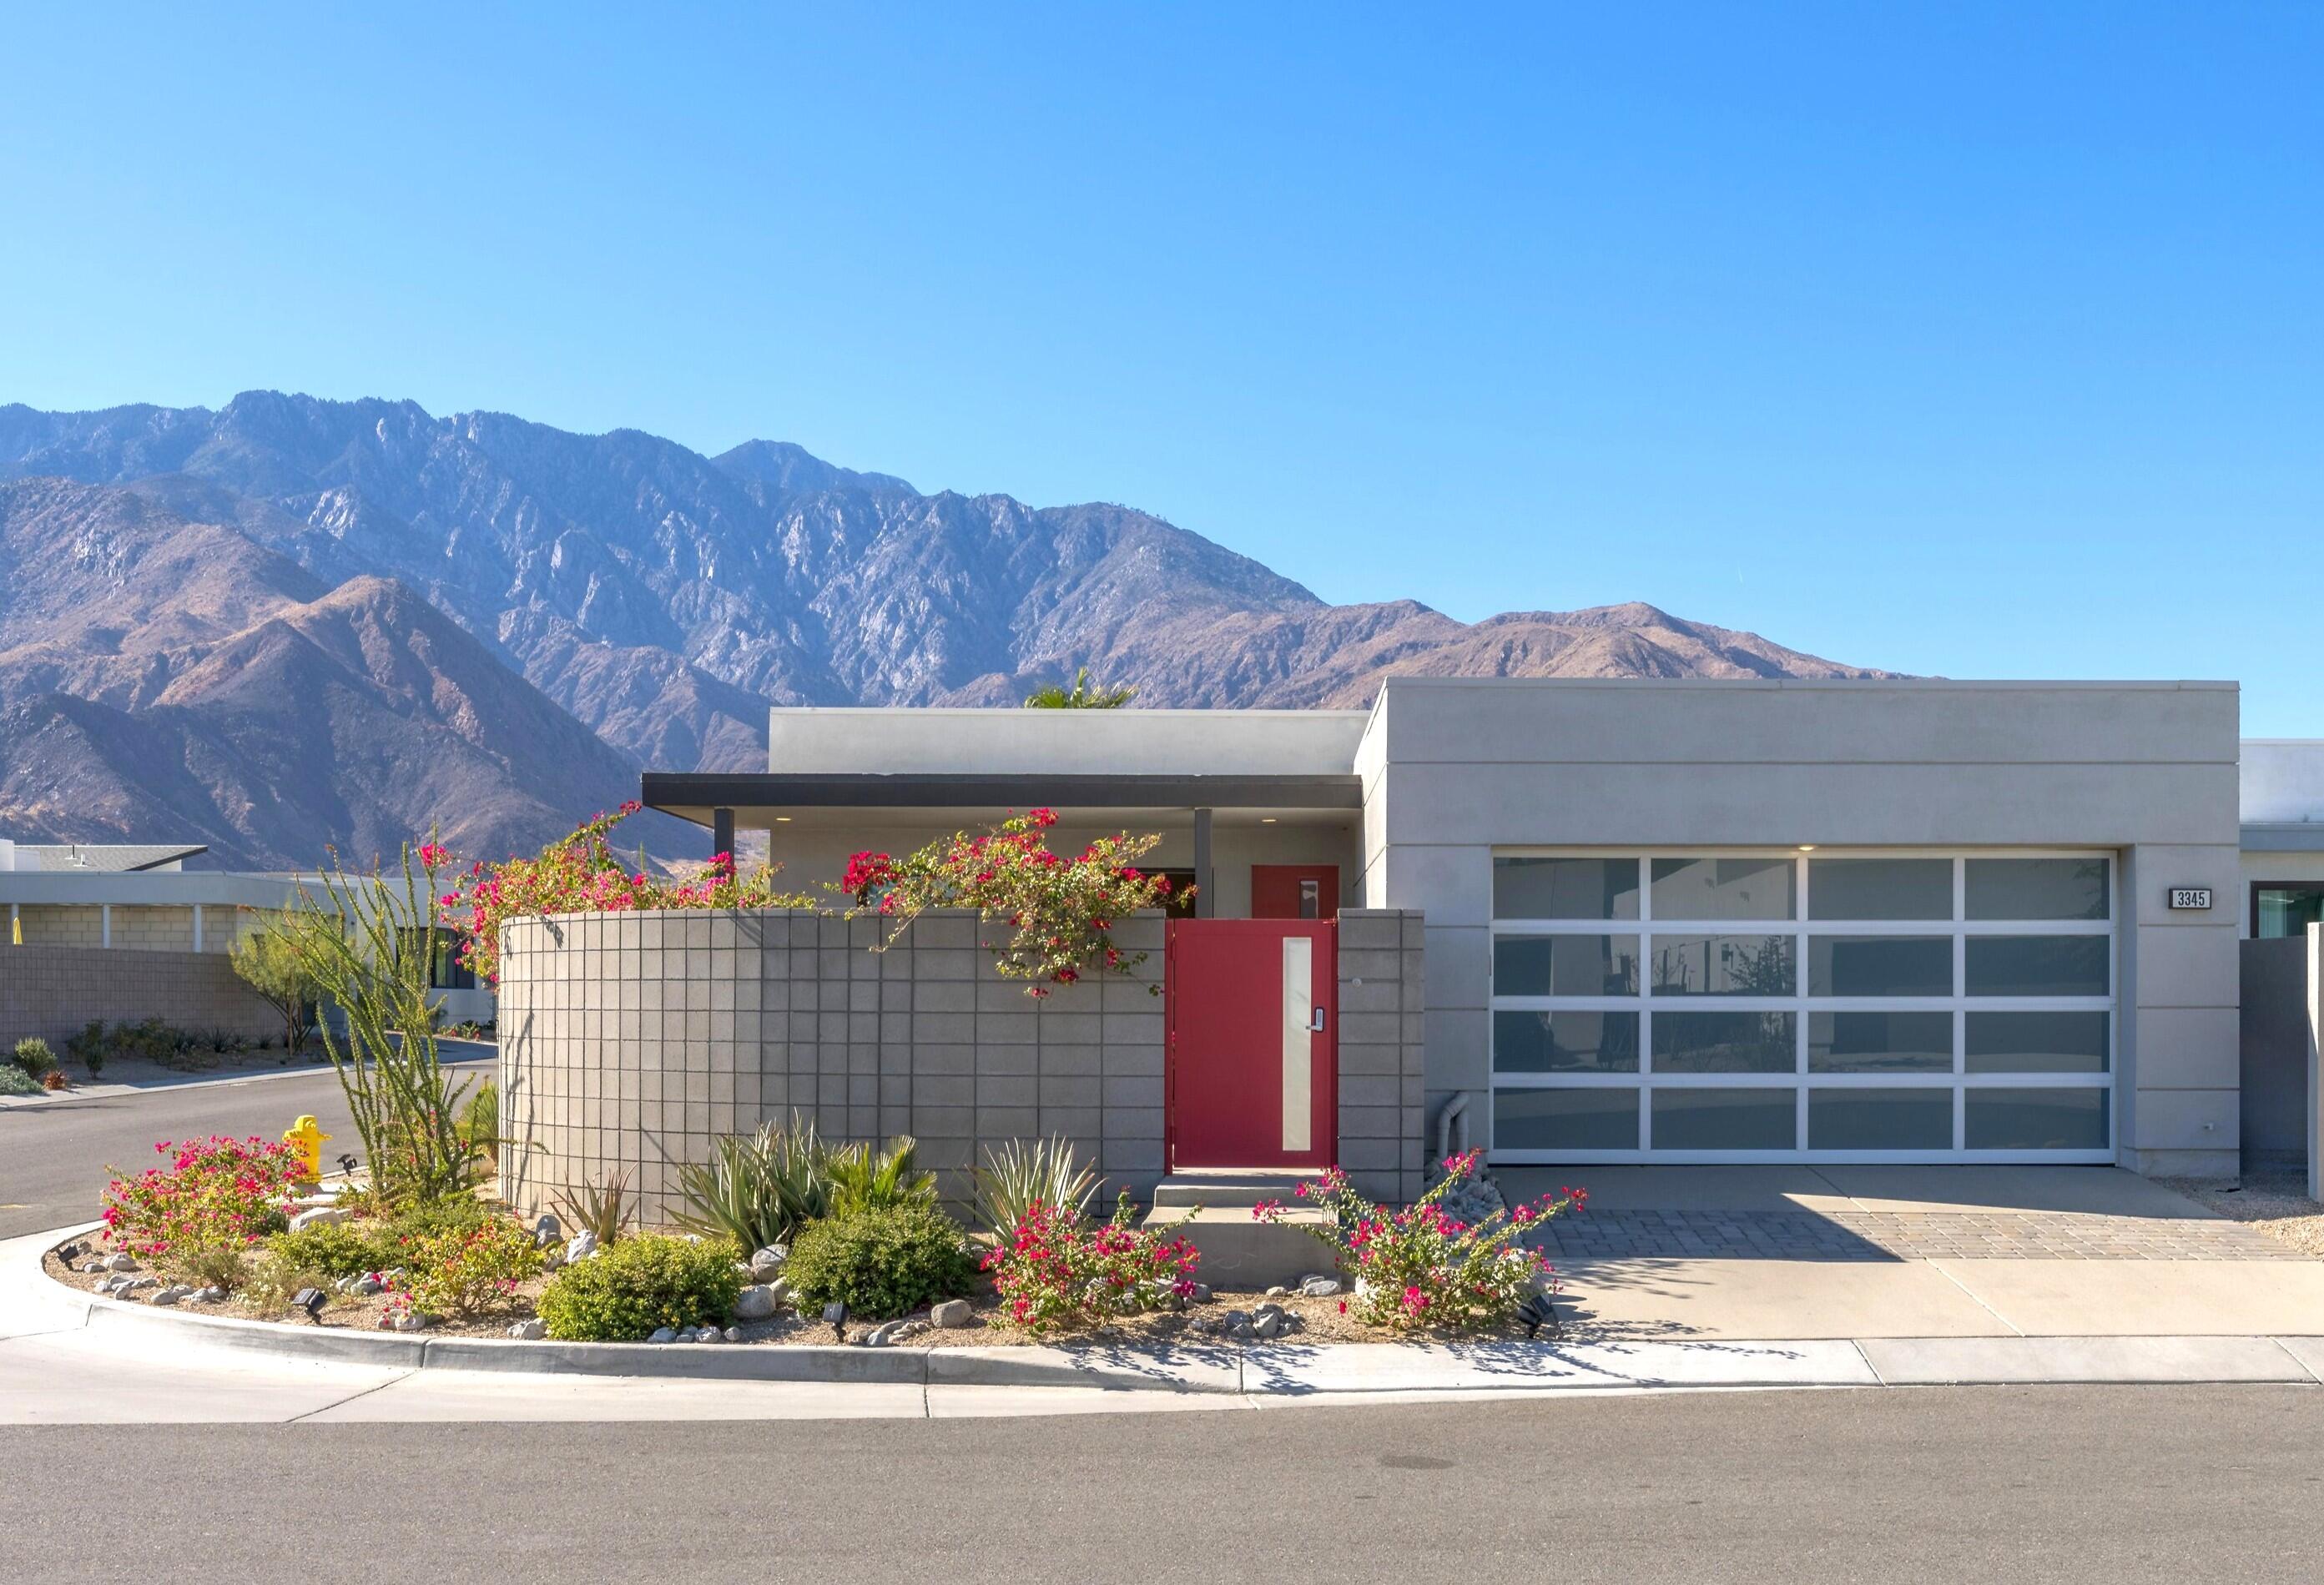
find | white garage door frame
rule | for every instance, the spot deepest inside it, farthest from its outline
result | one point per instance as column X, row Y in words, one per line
column 1801, row 1080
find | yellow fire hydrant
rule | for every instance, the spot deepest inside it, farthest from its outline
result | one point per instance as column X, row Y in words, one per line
column 306, row 1137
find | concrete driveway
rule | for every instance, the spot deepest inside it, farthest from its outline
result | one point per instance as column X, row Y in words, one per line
column 1966, row 1252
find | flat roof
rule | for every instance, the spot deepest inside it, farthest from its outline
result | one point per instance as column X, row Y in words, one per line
column 693, row 794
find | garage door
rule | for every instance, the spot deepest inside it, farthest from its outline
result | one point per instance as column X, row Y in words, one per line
column 1802, row 1005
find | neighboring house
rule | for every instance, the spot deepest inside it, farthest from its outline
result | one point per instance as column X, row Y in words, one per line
column 139, row 896
column 2283, row 814
column 1664, row 920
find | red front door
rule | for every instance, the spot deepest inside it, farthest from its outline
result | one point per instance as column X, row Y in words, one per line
column 1294, row 891
column 1252, row 1016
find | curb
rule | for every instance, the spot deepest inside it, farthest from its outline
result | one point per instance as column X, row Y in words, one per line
column 1286, row 1373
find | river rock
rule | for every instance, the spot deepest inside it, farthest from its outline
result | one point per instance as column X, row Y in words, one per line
column 663, row 1334
column 758, row 1302
column 952, row 1312
column 529, row 1331
column 767, row 1264
column 320, row 1216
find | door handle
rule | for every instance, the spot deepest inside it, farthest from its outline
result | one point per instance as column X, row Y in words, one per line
column 1315, row 1021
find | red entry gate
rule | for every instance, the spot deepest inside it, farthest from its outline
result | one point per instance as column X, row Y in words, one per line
column 1252, row 1016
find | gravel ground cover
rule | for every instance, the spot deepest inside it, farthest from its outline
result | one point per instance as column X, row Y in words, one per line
column 2276, row 1203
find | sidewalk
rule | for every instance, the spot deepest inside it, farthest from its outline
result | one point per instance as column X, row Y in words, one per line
column 133, row 1076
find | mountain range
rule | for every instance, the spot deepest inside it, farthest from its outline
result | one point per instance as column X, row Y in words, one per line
column 286, row 622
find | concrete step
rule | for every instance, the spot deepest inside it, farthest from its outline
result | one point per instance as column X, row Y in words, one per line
column 1239, row 1252
column 1222, row 1188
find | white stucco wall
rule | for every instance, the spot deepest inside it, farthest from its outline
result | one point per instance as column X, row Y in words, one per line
column 1062, row 743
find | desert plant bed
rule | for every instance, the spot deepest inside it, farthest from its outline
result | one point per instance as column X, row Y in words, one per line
column 1320, row 1320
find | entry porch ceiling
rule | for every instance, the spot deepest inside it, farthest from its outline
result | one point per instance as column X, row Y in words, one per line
column 759, row 801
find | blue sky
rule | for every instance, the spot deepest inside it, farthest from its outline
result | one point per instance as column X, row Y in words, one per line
column 1983, row 339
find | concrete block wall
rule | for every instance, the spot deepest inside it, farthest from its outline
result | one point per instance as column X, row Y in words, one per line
column 52, row 990
column 1383, row 1052
column 633, row 1042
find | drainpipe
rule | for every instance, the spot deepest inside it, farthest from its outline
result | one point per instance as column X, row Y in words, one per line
column 1206, row 902
column 1454, row 1112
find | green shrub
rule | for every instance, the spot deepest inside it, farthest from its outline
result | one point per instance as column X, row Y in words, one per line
column 339, row 1249
column 758, row 1189
column 860, row 1180
column 87, row 1046
column 480, row 1123
column 33, row 1058
column 13, row 1082
column 466, row 1272
column 405, row 1233
column 626, row 1292
column 881, row 1263
column 274, row 1278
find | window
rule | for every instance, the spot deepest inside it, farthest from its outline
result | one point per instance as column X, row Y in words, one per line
column 444, row 970
column 1839, row 1006
column 2285, row 908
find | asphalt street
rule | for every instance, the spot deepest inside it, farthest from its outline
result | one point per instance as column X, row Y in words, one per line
column 54, row 1156
column 2064, row 1484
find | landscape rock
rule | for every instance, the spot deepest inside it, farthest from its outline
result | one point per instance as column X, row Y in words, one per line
column 529, row 1331
column 1202, row 1295
column 1268, row 1326
column 170, row 1296
column 952, row 1312
column 583, row 1244
column 767, row 1264
column 1318, row 1288
column 120, row 1263
column 758, row 1302
column 320, row 1216
column 663, row 1335
column 415, row 1321
column 734, row 1334
column 366, row 1285
column 1277, row 1291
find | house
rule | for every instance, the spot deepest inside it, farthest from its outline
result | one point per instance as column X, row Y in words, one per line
column 139, row 897
column 1675, row 920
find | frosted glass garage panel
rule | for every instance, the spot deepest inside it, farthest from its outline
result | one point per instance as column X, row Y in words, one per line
column 1880, row 889
column 2037, row 1042
column 2036, row 1120
column 1721, row 966
column 1565, row 888
column 1565, row 965
column 2038, row 966
column 1591, row 1118
column 2035, row 888
column 1880, row 1043
column 1725, row 1043
column 1880, row 965
column 1724, row 888
column 1564, row 1042
column 1725, row 1120
column 1881, row 1119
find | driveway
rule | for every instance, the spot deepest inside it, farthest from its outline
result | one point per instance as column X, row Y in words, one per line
column 54, row 1156
column 1912, row 1251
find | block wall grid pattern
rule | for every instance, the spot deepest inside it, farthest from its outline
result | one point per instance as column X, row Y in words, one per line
column 140, row 927
column 632, row 1042
column 52, row 990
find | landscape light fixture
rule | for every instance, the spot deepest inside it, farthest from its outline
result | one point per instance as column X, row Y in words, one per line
column 348, row 1163
column 68, row 1254
column 837, row 1313
column 310, row 1300
column 1537, row 1310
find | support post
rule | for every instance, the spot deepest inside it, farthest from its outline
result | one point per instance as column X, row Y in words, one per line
column 1206, row 902
column 2315, row 956
column 722, row 831
column 198, row 927
column 104, row 925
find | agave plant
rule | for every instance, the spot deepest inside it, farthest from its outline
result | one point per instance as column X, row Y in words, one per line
column 1014, row 1176
column 758, row 1189
column 862, row 1180
column 599, row 1207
